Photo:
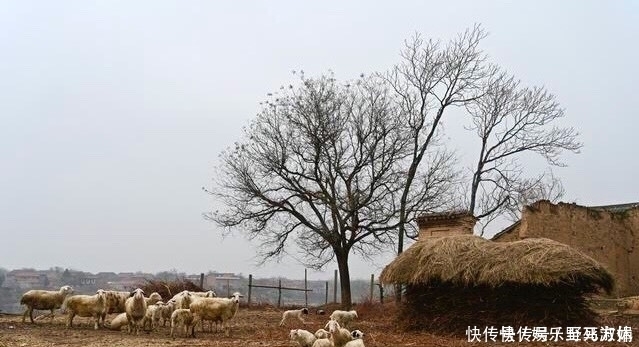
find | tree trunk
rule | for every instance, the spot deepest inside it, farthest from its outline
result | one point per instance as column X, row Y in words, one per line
column 344, row 278
column 400, row 249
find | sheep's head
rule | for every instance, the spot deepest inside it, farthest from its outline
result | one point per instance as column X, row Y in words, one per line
column 66, row 290
column 293, row 334
column 305, row 310
column 236, row 297
column 137, row 293
column 155, row 296
column 357, row 334
column 354, row 313
column 211, row 294
column 332, row 326
column 101, row 294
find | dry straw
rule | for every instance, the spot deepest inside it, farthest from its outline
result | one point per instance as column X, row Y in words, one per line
column 468, row 260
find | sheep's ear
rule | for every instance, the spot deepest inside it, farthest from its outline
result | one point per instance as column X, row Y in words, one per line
column 131, row 294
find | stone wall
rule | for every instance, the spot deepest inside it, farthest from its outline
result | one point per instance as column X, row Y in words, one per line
column 608, row 237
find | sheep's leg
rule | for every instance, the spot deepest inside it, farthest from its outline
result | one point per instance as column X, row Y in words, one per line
column 282, row 321
column 70, row 320
column 96, row 321
column 24, row 314
column 52, row 314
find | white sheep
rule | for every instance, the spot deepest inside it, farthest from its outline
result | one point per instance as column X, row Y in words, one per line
column 299, row 314
column 321, row 334
column 303, row 337
column 116, row 300
column 44, row 300
column 135, row 308
column 338, row 335
column 181, row 317
column 86, row 306
column 153, row 298
column 343, row 317
column 166, row 310
column 322, row 343
column 118, row 322
column 152, row 316
column 183, row 299
column 357, row 334
column 216, row 310
column 207, row 294
column 355, row 343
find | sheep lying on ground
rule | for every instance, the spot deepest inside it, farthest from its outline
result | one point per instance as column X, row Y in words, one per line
column 135, row 307
column 43, row 300
column 181, row 317
column 299, row 314
column 86, row 306
column 215, row 309
column 118, row 322
column 343, row 317
column 338, row 335
column 321, row 334
column 302, row 337
column 322, row 343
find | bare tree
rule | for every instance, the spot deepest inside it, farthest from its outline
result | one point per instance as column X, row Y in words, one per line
column 323, row 166
column 511, row 120
column 431, row 79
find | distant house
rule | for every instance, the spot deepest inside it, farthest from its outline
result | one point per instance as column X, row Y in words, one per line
column 27, row 279
column 609, row 234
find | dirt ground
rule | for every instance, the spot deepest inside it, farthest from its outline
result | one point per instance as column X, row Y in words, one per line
column 250, row 327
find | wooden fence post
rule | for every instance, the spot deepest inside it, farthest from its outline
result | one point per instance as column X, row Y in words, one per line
column 326, row 300
column 202, row 280
column 372, row 285
column 279, row 293
column 305, row 288
column 249, row 289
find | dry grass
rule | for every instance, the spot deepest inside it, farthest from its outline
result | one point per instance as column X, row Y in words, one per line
column 468, row 260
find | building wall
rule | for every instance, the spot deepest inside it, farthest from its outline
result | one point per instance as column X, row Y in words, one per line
column 609, row 238
column 446, row 227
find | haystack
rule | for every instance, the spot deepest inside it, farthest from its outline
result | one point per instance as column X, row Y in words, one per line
column 465, row 280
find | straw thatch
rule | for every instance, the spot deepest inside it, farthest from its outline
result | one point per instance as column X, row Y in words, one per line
column 468, row 260
column 458, row 281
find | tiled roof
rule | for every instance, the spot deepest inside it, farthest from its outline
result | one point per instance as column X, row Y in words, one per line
column 443, row 216
column 617, row 207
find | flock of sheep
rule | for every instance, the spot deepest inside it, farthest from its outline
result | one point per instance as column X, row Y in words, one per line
column 185, row 311
column 333, row 334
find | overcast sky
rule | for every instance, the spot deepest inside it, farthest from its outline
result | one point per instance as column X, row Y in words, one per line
column 113, row 113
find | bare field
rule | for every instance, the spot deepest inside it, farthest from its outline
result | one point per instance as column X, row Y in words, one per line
column 251, row 327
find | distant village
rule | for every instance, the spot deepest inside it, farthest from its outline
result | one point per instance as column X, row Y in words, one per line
column 16, row 282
